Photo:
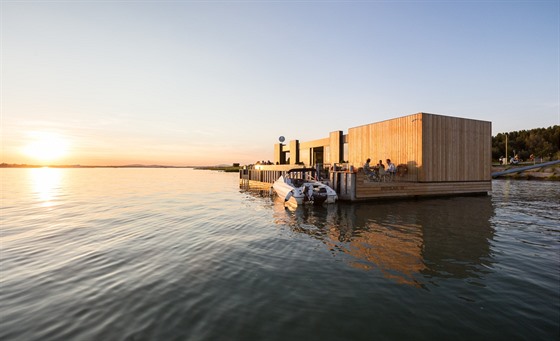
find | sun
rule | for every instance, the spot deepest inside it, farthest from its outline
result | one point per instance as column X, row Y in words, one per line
column 46, row 147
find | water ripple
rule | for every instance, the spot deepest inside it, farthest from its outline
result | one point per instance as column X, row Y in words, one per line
column 104, row 254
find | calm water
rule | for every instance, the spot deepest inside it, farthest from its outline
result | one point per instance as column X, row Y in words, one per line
column 179, row 254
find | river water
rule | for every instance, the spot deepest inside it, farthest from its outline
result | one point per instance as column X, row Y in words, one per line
column 182, row 254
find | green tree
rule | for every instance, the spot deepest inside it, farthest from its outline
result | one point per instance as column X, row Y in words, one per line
column 540, row 142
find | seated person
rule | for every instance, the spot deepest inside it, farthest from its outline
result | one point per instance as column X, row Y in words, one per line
column 367, row 167
column 391, row 168
column 380, row 165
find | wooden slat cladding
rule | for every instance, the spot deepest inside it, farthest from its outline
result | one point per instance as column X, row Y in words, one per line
column 434, row 147
column 455, row 149
column 395, row 189
column 413, row 189
column 315, row 143
column 397, row 139
column 335, row 150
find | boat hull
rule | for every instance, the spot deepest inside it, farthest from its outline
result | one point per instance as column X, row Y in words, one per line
column 300, row 192
column 287, row 192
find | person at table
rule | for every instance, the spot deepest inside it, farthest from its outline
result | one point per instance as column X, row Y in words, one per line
column 367, row 167
column 391, row 168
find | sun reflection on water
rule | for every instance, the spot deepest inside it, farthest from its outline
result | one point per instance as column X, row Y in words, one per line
column 45, row 184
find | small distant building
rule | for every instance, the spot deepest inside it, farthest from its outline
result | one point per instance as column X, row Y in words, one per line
column 440, row 155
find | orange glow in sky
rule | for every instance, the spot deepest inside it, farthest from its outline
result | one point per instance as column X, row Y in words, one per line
column 185, row 84
column 46, row 147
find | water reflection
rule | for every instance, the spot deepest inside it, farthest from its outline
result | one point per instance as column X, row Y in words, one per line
column 410, row 242
column 45, row 184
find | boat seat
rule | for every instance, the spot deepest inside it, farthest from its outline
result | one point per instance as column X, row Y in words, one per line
column 297, row 182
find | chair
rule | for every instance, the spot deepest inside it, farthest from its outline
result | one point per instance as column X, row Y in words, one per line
column 370, row 175
column 391, row 176
column 383, row 175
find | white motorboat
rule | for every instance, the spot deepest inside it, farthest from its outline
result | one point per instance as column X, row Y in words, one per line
column 300, row 185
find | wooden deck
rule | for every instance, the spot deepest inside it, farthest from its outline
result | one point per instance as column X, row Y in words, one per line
column 355, row 186
column 366, row 189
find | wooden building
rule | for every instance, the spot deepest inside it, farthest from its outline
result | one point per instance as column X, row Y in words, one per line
column 438, row 155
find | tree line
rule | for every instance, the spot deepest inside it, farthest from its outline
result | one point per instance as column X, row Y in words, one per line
column 540, row 143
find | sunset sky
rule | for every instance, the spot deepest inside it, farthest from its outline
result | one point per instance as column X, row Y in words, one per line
column 205, row 83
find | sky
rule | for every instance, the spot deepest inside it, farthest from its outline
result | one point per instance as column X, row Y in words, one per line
column 218, row 82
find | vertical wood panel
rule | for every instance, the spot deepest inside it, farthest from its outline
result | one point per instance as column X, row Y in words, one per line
column 456, row 149
column 435, row 148
column 397, row 139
